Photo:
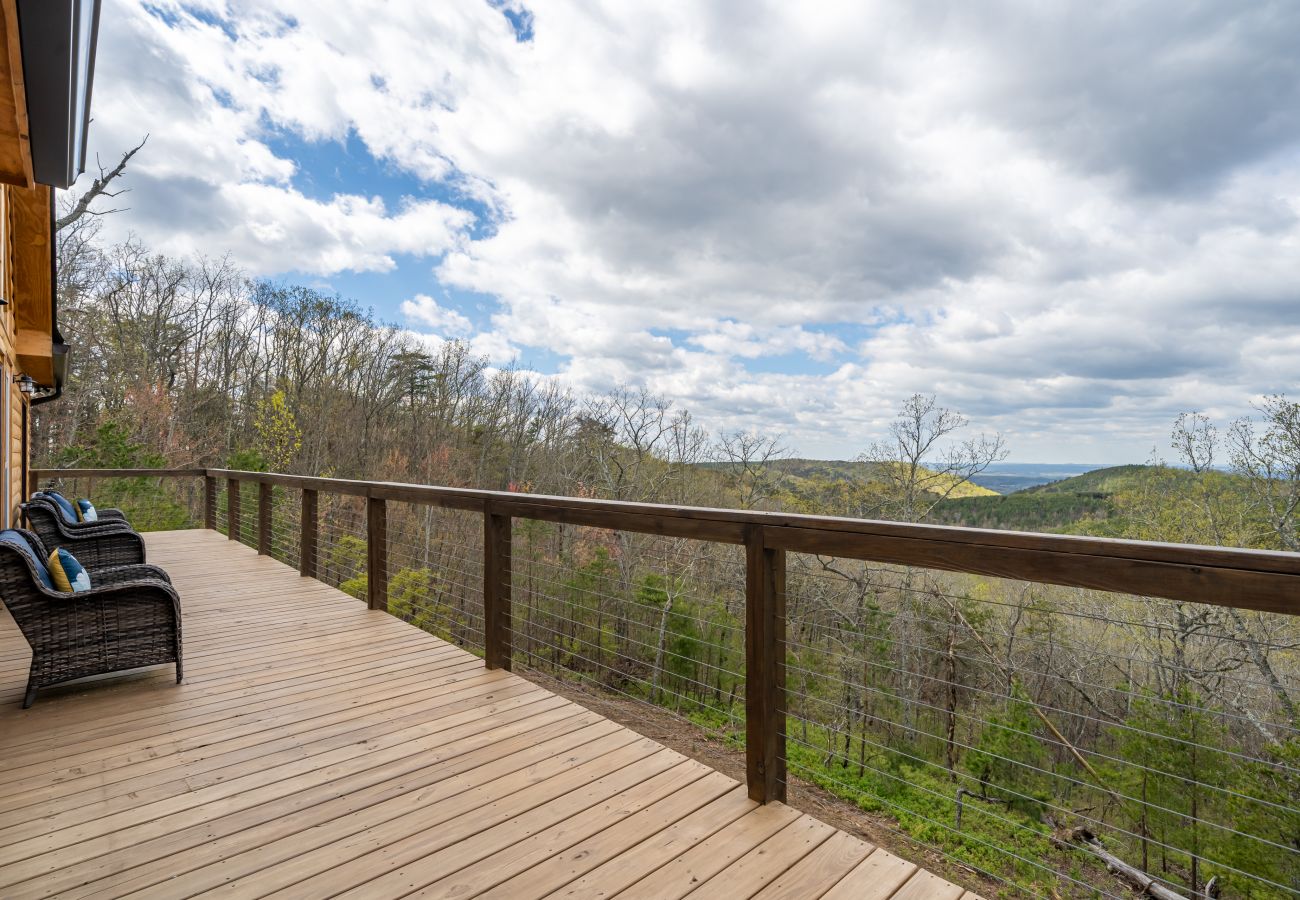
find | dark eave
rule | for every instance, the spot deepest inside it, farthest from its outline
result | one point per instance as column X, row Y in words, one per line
column 58, row 46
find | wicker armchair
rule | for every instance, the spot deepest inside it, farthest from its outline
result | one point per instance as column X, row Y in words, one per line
column 101, row 576
column 105, row 516
column 108, row 514
column 123, row 622
column 96, row 545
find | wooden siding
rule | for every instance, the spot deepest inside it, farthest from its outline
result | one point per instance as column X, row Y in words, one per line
column 320, row 748
column 11, row 455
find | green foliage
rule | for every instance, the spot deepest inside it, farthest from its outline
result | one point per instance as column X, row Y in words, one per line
column 1006, row 752
column 923, row 802
column 250, row 460
column 1060, row 512
column 112, row 447
column 357, row 586
column 416, row 595
column 1174, row 747
column 279, row 437
column 150, row 504
column 682, row 642
column 345, row 564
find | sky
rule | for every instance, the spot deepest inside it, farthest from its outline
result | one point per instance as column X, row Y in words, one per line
column 1069, row 221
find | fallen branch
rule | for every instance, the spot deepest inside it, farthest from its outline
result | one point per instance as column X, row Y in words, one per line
column 1133, row 875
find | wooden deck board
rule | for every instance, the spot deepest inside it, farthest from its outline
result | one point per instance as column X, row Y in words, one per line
column 322, row 748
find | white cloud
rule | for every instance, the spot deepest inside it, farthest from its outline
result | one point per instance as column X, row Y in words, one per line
column 208, row 180
column 425, row 310
column 1070, row 224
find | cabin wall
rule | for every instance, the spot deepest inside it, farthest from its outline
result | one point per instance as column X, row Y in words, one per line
column 11, row 398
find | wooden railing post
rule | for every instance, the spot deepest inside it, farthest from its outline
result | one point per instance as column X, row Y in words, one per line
column 33, row 482
column 265, row 499
column 496, row 589
column 232, row 508
column 377, row 553
column 209, row 503
column 307, row 539
column 765, row 769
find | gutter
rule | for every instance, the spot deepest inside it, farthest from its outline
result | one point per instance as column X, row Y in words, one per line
column 58, row 346
column 59, row 41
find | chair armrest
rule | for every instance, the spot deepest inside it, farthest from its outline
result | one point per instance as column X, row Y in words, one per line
column 121, row 574
column 125, row 594
column 105, row 525
column 112, row 514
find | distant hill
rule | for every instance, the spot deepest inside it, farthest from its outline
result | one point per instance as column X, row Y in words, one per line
column 1081, row 503
column 812, row 470
column 1009, row 477
column 1100, row 482
column 1075, row 502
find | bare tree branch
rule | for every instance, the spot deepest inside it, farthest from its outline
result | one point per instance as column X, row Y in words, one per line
column 98, row 189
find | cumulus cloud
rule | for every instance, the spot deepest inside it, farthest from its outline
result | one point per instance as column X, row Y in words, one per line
column 208, row 180
column 424, row 310
column 1071, row 223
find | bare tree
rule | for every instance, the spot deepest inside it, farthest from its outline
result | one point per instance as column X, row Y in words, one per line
column 1269, row 460
column 920, row 465
column 746, row 459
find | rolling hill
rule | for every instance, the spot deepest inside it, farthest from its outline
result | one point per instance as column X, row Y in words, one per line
column 1099, row 482
column 799, row 473
column 1081, row 503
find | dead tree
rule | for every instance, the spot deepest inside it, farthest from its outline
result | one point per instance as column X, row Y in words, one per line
column 98, row 188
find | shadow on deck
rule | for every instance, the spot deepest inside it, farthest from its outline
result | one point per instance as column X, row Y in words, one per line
column 319, row 748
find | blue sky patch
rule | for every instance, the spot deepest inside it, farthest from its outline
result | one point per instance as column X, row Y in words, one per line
column 520, row 19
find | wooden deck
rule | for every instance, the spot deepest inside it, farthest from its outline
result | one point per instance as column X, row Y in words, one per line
column 321, row 749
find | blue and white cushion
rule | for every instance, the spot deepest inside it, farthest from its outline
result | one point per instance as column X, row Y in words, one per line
column 86, row 510
column 15, row 538
column 68, row 574
column 66, row 508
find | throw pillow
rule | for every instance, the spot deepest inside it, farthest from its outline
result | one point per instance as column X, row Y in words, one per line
column 68, row 574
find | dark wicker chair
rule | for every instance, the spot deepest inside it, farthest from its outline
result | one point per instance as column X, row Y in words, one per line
column 105, row 515
column 129, row 619
column 109, row 575
column 96, row 545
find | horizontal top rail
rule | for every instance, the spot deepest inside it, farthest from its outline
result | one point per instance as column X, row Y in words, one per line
column 117, row 473
column 1263, row 580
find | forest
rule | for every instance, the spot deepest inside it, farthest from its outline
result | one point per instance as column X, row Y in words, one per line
column 1016, row 731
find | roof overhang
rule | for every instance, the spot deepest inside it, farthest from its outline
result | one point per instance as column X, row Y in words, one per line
column 58, row 64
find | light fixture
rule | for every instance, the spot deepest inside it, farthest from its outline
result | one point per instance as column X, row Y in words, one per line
column 26, row 384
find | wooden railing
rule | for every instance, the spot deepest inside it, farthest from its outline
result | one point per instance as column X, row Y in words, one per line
column 1244, row 579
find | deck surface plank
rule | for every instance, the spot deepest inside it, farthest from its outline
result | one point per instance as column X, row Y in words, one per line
column 321, row 747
